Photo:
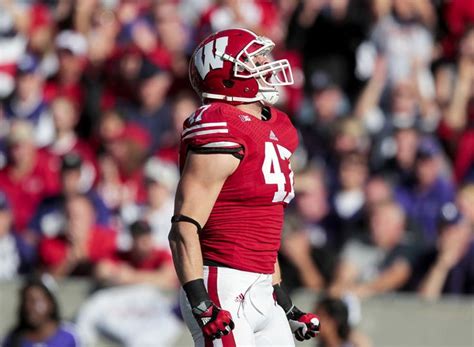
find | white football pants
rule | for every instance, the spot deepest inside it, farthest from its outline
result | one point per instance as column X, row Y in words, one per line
column 259, row 320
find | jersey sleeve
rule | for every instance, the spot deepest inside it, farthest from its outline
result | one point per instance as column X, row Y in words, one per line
column 209, row 131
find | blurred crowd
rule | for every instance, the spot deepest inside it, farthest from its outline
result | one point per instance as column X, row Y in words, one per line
column 93, row 94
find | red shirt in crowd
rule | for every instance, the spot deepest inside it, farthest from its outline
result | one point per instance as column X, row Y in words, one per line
column 459, row 14
column 25, row 193
column 83, row 149
column 154, row 261
column 73, row 91
column 101, row 245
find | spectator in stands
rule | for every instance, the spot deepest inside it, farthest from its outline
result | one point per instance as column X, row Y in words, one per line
column 403, row 39
column 458, row 15
column 122, row 166
column 40, row 32
column 184, row 105
column 311, row 237
column 348, row 200
column 13, row 42
column 457, row 126
column 451, row 266
column 349, row 135
column 153, row 111
column 71, row 49
column 161, row 181
column 122, row 77
column 327, row 34
column 399, row 167
column 110, row 187
column 464, row 155
column 50, row 216
column 465, row 201
column 16, row 256
column 27, row 102
column 452, row 78
column 385, row 111
column 29, row 176
column 174, row 36
column 66, row 117
column 404, row 111
column 82, row 245
column 258, row 16
column 377, row 190
column 379, row 263
column 144, row 263
column 423, row 200
column 335, row 327
column 333, row 313
column 326, row 104
column 111, row 126
column 38, row 320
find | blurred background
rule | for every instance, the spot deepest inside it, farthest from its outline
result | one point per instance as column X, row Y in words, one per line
column 380, row 237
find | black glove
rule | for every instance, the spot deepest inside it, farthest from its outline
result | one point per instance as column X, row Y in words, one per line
column 303, row 325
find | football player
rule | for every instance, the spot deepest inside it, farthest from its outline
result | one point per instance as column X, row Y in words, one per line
column 235, row 181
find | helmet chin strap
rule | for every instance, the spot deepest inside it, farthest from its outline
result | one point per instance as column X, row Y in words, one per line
column 269, row 95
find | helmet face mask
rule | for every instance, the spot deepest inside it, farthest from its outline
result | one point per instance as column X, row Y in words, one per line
column 233, row 74
column 245, row 66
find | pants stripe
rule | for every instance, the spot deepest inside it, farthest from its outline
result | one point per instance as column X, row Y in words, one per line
column 227, row 340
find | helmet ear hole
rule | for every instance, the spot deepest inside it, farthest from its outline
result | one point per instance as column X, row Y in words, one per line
column 228, row 83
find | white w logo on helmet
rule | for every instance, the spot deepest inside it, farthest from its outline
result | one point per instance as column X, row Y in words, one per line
column 205, row 59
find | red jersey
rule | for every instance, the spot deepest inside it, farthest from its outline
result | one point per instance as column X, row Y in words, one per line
column 244, row 228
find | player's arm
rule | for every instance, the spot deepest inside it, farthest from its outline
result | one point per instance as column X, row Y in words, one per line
column 201, row 182
column 303, row 325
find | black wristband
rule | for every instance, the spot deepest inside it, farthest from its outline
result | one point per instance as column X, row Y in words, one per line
column 282, row 298
column 196, row 292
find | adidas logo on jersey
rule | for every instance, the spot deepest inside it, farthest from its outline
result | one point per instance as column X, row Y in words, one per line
column 273, row 136
column 245, row 118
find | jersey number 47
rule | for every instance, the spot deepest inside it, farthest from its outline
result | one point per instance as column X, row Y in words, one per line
column 274, row 175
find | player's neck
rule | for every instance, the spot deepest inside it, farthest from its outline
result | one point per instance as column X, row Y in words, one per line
column 255, row 109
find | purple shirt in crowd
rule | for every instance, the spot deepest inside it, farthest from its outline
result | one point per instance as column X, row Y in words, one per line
column 64, row 337
column 424, row 206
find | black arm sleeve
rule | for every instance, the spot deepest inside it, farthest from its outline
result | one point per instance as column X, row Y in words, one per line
column 282, row 298
column 196, row 292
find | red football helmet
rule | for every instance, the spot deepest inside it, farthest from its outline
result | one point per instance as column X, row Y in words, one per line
column 223, row 67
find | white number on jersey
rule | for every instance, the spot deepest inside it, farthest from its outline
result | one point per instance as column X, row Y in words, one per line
column 272, row 171
column 197, row 116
